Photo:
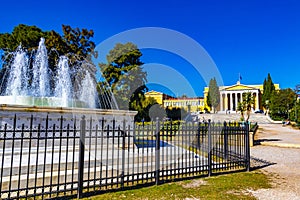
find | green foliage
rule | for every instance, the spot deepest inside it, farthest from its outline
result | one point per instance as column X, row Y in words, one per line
column 170, row 128
column 176, row 113
column 268, row 90
column 295, row 112
column 282, row 103
column 79, row 41
column 213, row 98
column 208, row 101
column 73, row 41
column 143, row 105
column 27, row 36
column 241, row 109
column 124, row 74
column 245, row 105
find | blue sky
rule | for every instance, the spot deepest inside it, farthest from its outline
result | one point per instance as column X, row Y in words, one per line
column 252, row 38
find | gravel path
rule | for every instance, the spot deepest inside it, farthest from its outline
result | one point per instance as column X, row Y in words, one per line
column 285, row 170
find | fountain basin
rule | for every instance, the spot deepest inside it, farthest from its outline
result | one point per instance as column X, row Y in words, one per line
column 37, row 116
column 42, row 101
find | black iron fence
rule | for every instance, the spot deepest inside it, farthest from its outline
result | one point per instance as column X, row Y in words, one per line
column 62, row 157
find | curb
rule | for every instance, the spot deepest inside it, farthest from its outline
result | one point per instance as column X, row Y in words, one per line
column 272, row 121
column 284, row 145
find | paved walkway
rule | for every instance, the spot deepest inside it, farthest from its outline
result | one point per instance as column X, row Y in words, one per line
column 280, row 146
column 278, row 135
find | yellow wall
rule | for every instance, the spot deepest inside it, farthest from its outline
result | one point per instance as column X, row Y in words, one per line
column 158, row 96
column 188, row 104
column 194, row 104
column 206, row 89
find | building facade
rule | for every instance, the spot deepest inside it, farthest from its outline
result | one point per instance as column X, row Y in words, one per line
column 231, row 95
column 188, row 104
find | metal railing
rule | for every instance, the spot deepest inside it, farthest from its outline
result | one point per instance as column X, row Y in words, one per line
column 73, row 157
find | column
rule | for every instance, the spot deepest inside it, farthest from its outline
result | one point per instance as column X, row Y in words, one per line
column 221, row 101
column 231, row 101
column 257, row 101
column 236, row 101
column 226, row 101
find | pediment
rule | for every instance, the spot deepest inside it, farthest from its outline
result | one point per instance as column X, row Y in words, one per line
column 153, row 93
column 239, row 87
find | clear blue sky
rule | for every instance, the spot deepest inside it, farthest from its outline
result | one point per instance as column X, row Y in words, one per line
column 250, row 37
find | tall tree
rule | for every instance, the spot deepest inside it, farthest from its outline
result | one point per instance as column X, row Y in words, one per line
column 208, row 101
column 282, row 103
column 213, row 98
column 268, row 89
column 79, row 42
column 27, row 36
column 123, row 72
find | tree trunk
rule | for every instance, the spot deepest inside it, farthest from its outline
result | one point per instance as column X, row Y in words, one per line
column 248, row 115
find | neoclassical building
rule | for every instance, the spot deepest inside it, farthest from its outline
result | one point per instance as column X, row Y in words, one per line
column 229, row 98
column 189, row 104
column 231, row 95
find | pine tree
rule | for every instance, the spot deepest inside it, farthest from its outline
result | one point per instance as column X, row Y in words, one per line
column 124, row 74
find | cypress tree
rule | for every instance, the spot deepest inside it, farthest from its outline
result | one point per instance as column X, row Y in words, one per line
column 213, row 94
column 268, row 89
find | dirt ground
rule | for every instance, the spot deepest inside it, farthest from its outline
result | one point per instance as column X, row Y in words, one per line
column 279, row 146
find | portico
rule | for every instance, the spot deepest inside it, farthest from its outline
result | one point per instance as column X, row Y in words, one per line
column 230, row 96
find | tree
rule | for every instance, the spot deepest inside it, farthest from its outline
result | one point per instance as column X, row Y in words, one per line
column 79, row 42
column 268, row 89
column 213, row 98
column 125, row 76
column 157, row 112
column 144, row 106
column 281, row 104
column 176, row 113
column 27, row 36
column 208, row 101
column 241, row 109
column 246, row 105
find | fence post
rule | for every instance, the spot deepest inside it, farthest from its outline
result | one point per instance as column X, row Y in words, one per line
column 81, row 157
column 123, row 153
column 157, row 153
column 209, row 157
column 198, row 135
column 247, row 146
column 225, row 140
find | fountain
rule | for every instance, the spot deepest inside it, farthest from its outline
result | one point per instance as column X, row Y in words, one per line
column 39, row 91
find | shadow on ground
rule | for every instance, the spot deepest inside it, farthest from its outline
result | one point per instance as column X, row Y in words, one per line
column 257, row 163
column 259, row 141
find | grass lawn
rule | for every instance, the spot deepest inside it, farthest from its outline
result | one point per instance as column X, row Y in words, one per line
column 229, row 186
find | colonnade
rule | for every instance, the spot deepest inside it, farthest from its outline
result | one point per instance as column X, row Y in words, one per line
column 229, row 99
